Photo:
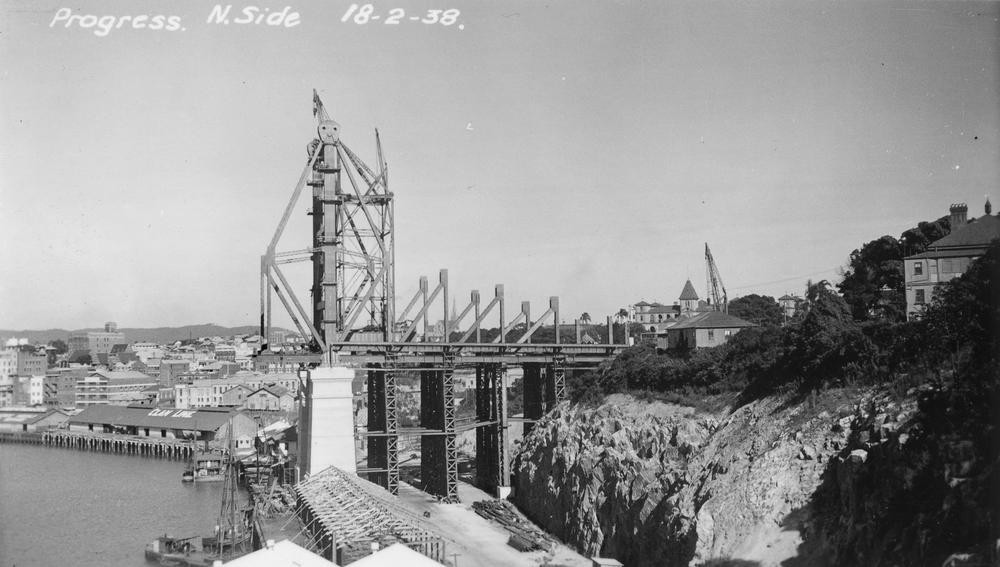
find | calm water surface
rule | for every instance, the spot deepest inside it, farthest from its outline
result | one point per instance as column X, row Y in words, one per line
column 64, row 507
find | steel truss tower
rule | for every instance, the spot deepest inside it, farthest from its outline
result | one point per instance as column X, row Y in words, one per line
column 352, row 246
column 353, row 317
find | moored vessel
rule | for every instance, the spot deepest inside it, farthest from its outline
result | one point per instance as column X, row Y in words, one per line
column 206, row 466
column 233, row 536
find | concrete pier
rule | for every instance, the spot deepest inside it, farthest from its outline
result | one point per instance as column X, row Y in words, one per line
column 326, row 425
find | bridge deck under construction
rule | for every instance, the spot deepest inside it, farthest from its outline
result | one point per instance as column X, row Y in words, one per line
column 344, row 514
column 464, row 353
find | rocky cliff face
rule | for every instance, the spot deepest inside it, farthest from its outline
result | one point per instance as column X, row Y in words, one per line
column 651, row 484
column 608, row 480
column 909, row 489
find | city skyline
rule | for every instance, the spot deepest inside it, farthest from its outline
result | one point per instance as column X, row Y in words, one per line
column 584, row 150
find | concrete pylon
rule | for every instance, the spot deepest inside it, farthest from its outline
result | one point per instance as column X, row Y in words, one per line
column 326, row 422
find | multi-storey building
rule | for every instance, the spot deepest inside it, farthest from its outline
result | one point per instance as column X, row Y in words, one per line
column 8, row 369
column 656, row 317
column 96, row 342
column 29, row 363
column 60, row 385
column 171, row 370
column 225, row 353
column 948, row 257
column 114, row 388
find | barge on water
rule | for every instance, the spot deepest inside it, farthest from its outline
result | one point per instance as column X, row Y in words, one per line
column 206, row 466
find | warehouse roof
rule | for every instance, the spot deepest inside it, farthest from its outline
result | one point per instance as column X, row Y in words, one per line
column 202, row 419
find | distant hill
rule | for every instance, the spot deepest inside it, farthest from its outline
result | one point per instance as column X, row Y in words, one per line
column 155, row 335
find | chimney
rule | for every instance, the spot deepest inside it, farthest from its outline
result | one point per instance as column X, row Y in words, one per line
column 989, row 207
column 958, row 215
column 110, row 327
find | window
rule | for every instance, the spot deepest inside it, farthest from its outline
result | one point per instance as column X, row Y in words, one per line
column 919, row 298
column 711, row 335
column 918, row 268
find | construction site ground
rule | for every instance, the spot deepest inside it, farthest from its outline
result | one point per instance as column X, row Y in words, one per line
column 474, row 541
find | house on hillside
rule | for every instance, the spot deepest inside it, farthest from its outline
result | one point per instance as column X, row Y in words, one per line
column 948, row 257
column 707, row 329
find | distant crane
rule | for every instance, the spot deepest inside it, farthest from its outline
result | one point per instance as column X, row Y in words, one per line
column 714, row 283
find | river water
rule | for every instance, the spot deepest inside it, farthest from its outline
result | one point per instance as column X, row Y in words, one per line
column 62, row 507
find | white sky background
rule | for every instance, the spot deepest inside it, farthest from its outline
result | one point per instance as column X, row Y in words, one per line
column 143, row 173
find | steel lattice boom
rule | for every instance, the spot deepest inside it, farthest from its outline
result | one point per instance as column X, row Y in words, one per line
column 716, row 289
column 352, row 246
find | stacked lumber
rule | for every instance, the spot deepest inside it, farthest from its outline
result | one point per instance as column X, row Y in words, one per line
column 525, row 536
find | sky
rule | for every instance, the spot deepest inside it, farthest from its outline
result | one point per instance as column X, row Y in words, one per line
column 582, row 149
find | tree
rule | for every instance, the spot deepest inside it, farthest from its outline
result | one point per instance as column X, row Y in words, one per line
column 82, row 358
column 915, row 240
column 964, row 316
column 759, row 309
column 585, row 318
column 59, row 345
column 873, row 283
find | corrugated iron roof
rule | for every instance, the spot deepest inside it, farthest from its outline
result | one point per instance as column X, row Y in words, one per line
column 712, row 320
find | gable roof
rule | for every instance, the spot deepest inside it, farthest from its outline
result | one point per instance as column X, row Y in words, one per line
column 280, row 554
column 712, row 320
column 47, row 415
column 396, row 554
column 688, row 292
column 273, row 389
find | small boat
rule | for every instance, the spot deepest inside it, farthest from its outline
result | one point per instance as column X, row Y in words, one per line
column 206, row 466
column 233, row 536
column 179, row 552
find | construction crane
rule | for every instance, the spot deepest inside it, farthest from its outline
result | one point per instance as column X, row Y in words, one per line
column 720, row 302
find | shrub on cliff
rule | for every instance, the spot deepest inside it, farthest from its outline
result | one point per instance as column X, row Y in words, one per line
column 932, row 488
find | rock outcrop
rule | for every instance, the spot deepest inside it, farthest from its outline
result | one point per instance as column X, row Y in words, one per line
column 774, row 480
column 609, row 482
column 907, row 489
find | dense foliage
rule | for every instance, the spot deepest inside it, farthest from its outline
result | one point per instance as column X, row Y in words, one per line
column 758, row 309
column 873, row 280
column 825, row 347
